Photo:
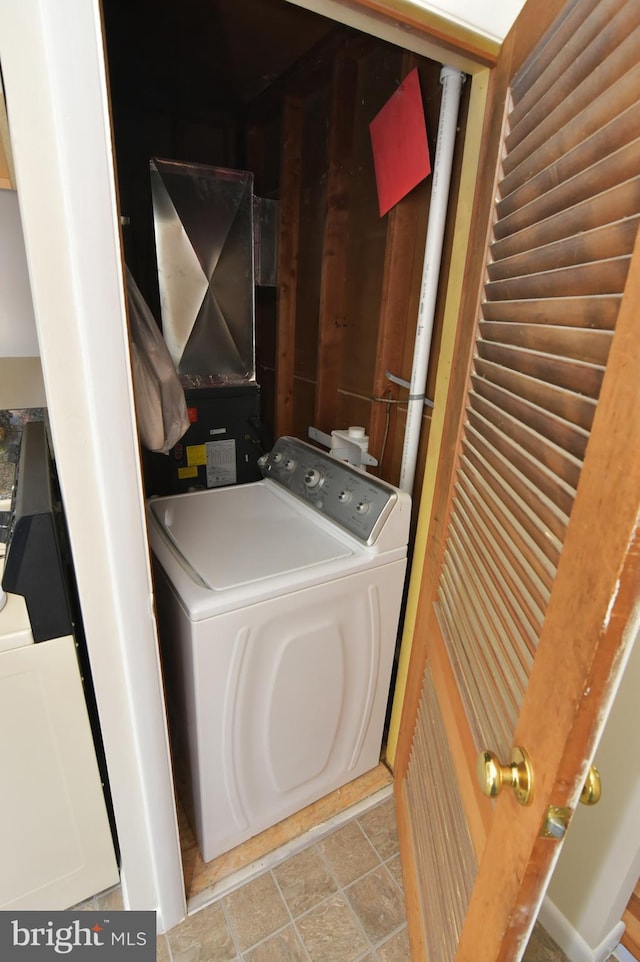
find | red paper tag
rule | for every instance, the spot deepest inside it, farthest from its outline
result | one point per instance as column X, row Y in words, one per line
column 399, row 142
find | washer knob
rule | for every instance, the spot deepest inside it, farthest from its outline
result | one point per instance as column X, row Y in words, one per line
column 289, row 464
column 363, row 506
column 345, row 496
column 313, row 478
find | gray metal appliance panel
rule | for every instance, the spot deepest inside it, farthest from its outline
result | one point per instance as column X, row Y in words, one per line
column 203, row 221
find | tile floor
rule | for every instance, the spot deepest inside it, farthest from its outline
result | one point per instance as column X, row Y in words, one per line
column 339, row 900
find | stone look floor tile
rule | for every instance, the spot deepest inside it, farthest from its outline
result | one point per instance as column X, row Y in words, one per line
column 396, row 949
column 256, row 910
column 349, row 853
column 378, row 904
column 284, row 946
column 304, row 881
column 253, row 924
column 203, row 937
column 324, row 931
column 395, row 868
column 542, row 948
column 330, row 932
column 379, row 825
column 162, row 949
column 110, row 901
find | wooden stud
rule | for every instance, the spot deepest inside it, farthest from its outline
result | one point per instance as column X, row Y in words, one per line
column 288, row 262
column 332, row 315
column 398, row 309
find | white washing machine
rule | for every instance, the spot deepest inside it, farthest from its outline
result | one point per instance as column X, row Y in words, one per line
column 278, row 606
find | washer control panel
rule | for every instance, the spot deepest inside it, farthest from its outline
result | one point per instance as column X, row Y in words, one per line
column 349, row 497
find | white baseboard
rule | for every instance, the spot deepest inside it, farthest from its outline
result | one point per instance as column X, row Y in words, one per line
column 623, row 955
column 571, row 942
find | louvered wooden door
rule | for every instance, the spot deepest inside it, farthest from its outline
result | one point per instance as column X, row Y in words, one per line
column 530, row 587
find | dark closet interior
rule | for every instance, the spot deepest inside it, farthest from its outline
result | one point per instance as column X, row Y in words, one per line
column 269, row 87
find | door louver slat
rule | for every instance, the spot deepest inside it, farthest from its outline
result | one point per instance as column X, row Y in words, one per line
column 621, row 166
column 510, row 506
column 610, row 241
column 567, row 215
column 482, row 667
column 562, row 433
column 589, row 345
column 488, row 660
column 476, row 667
column 598, row 311
column 563, row 211
column 567, row 373
column 603, row 208
column 525, row 590
column 540, row 517
column 445, row 872
column 490, row 595
column 566, row 153
column 545, row 480
column 469, row 677
column 599, row 277
column 582, row 24
column 541, row 565
column 556, row 459
column 571, row 407
column 574, row 91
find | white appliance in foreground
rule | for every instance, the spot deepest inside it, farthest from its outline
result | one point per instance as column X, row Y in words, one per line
column 56, row 843
column 55, row 837
column 278, row 605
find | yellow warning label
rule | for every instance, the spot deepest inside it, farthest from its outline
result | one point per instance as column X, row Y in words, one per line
column 196, row 454
column 188, row 472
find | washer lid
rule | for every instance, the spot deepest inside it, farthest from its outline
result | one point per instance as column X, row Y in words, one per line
column 238, row 535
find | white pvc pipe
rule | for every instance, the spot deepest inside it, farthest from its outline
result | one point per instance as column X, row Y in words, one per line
column 451, row 80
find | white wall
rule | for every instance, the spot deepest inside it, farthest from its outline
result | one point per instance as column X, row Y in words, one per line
column 486, row 17
column 18, row 336
column 21, row 384
column 599, row 864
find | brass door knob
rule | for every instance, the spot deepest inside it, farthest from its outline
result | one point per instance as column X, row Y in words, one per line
column 592, row 788
column 518, row 774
